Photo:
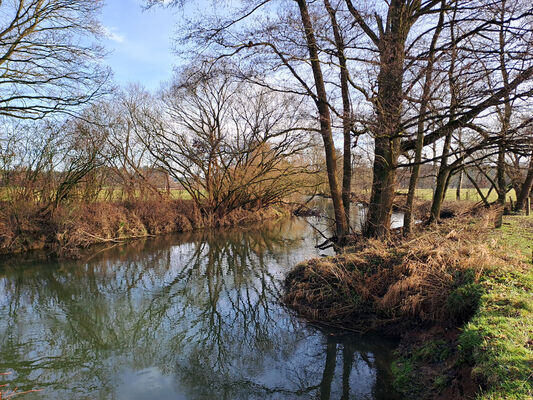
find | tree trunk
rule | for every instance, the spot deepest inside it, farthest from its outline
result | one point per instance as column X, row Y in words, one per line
column 505, row 120
column 525, row 189
column 346, row 116
column 325, row 123
column 501, row 185
column 459, row 185
column 413, row 179
column 444, row 169
column 442, row 181
column 440, row 192
column 383, row 188
column 387, row 136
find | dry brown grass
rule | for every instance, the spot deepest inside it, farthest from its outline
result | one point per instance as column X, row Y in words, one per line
column 75, row 226
column 85, row 225
column 26, row 227
column 397, row 281
column 22, row 227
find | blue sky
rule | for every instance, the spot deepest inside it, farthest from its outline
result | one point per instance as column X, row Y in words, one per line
column 140, row 42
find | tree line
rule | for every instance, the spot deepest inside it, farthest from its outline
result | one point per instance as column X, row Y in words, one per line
column 262, row 85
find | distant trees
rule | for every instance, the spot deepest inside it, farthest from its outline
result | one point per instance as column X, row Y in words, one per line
column 49, row 68
column 44, row 163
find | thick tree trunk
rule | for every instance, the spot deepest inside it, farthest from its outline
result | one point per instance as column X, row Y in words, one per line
column 346, row 117
column 325, row 123
column 525, row 189
column 442, row 181
column 440, row 193
column 383, row 188
column 387, row 135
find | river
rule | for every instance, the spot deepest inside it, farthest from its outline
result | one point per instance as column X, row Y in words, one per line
column 188, row 316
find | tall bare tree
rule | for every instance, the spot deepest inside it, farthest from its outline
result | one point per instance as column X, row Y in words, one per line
column 228, row 144
column 387, row 46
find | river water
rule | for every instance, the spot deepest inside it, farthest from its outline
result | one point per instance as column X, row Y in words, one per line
column 189, row 316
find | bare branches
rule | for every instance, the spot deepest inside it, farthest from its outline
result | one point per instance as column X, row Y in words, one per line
column 48, row 59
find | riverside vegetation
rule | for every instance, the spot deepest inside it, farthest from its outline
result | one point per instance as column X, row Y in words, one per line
column 459, row 295
column 67, row 230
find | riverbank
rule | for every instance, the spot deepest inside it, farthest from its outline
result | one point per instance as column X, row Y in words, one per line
column 66, row 230
column 457, row 293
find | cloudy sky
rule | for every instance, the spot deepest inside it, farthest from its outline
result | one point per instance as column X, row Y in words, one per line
column 140, row 42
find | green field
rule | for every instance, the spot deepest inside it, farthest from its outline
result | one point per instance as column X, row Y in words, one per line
column 468, row 194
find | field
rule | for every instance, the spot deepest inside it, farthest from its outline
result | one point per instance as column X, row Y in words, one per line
column 468, row 194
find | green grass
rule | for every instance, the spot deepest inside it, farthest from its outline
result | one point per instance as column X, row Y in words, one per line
column 498, row 339
column 406, row 369
column 468, row 194
column 116, row 194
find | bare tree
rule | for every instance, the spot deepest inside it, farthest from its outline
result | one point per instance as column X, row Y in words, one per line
column 386, row 47
column 48, row 59
column 229, row 145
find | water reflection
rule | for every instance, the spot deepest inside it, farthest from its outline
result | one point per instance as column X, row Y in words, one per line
column 192, row 316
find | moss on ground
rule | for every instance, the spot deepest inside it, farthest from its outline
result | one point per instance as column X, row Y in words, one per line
column 498, row 340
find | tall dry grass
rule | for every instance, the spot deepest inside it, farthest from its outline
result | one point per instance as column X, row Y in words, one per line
column 71, row 227
column 27, row 227
column 429, row 279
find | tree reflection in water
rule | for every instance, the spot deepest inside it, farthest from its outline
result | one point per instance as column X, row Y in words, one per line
column 193, row 316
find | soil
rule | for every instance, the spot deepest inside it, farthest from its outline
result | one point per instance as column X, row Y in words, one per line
column 459, row 383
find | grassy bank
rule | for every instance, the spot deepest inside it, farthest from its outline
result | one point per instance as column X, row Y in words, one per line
column 460, row 295
column 498, row 341
column 69, row 228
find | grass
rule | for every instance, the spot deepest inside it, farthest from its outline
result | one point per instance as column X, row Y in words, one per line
column 406, row 369
column 468, row 194
column 108, row 193
column 116, row 194
column 430, row 278
column 498, row 339
column 496, row 342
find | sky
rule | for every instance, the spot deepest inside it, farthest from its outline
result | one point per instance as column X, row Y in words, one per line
column 140, row 42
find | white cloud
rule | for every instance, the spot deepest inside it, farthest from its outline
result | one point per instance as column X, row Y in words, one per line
column 112, row 34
